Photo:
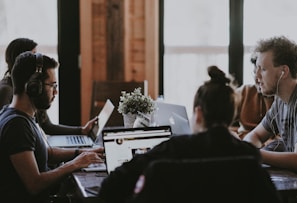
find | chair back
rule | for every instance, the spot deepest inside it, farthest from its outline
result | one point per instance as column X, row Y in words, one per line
column 230, row 179
column 103, row 90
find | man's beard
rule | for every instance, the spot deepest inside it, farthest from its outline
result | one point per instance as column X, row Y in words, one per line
column 272, row 92
column 42, row 101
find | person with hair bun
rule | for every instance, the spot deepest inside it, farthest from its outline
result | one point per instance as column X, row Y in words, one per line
column 213, row 113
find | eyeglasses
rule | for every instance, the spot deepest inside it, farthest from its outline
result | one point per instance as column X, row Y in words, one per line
column 53, row 85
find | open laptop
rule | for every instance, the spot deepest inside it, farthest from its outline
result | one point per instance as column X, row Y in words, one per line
column 82, row 140
column 174, row 115
column 122, row 144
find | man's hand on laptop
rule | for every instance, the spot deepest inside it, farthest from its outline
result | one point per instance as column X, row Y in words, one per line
column 98, row 150
column 85, row 130
column 87, row 157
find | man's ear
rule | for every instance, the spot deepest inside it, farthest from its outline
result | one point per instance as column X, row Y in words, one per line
column 285, row 71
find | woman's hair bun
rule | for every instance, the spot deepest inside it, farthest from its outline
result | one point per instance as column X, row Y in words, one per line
column 217, row 75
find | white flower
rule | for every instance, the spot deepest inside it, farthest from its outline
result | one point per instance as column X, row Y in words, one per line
column 134, row 102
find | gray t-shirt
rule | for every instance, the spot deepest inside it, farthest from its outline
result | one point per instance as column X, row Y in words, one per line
column 281, row 119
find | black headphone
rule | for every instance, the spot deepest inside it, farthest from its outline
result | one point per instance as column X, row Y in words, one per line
column 34, row 86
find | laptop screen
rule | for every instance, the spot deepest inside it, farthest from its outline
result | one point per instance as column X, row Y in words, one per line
column 174, row 115
column 103, row 117
column 122, row 144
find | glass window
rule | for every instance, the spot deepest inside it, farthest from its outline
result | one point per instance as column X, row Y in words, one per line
column 32, row 19
column 264, row 19
column 196, row 35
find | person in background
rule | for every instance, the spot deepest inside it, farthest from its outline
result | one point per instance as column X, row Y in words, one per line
column 213, row 113
column 252, row 107
column 24, row 154
column 16, row 47
column 276, row 74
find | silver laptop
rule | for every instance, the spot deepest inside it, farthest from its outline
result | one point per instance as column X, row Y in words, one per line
column 174, row 115
column 82, row 140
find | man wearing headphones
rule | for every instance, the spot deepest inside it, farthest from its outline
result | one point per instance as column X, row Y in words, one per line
column 24, row 154
column 14, row 48
column 277, row 75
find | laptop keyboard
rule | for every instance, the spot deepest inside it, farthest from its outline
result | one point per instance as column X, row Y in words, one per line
column 75, row 140
column 95, row 167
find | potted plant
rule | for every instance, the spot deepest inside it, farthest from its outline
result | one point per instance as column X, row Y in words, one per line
column 132, row 103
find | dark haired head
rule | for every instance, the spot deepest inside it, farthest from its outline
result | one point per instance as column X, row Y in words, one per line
column 25, row 66
column 216, row 98
column 253, row 59
column 16, row 47
column 217, row 76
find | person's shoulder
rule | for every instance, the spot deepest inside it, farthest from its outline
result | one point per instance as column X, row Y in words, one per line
column 6, row 81
column 248, row 91
column 8, row 113
column 178, row 140
column 247, row 87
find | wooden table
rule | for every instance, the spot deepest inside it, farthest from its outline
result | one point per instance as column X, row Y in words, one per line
column 86, row 183
column 285, row 182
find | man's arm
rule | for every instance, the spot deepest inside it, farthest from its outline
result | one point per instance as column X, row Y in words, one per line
column 258, row 136
column 35, row 181
column 58, row 155
column 286, row 160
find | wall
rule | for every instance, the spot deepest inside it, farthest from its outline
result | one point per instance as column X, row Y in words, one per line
column 118, row 41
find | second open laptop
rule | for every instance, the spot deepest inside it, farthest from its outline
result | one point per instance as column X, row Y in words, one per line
column 82, row 140
column 174, row 115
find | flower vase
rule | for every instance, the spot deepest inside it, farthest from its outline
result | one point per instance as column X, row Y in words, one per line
column 142, row 120
column 129, row 120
